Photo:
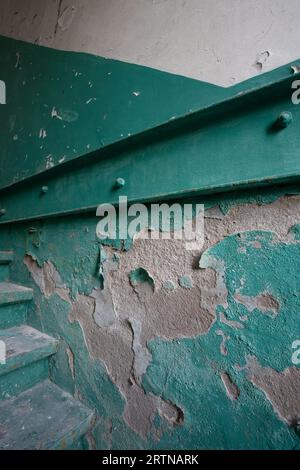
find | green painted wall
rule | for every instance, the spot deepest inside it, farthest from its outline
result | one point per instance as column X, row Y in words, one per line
column 186, row 372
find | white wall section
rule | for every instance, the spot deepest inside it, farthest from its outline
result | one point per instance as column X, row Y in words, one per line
column 219, row 41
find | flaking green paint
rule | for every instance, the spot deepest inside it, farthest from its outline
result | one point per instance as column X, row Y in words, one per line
column 186, row 371
column 139, row 276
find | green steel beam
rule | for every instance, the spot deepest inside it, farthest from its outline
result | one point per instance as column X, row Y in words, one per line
column 235, row 139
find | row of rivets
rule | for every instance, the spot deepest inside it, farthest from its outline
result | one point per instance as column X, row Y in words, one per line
column 283, row 121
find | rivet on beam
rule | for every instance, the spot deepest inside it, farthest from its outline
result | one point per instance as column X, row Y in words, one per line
column 285, row 119
column 120, row 183
column 44, row 189
column 2, row 212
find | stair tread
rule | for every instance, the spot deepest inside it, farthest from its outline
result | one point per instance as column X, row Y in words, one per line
column 6, row 256
column 43, row 417
column 11, row 293
column 25, row 345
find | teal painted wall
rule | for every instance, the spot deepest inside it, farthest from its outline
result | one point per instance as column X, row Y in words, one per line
column 206, row 364
column 232, row 383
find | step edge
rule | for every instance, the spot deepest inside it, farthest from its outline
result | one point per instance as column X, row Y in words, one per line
column 41, row 353
column 16, row 297
column 83, row 427
column 78, row 431
column 6, row 257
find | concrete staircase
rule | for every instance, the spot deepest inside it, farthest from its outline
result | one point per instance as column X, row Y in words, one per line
column 34, row 412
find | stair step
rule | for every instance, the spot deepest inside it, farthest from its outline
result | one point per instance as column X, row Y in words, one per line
column 12, row 293
column 24, row 346
column 13, row 304
column 43, row 417
column 6, row 257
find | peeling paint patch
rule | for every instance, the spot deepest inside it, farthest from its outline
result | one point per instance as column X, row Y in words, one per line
column 49, row 161
column 70, row 355
column 214, row 213
column 171, row 413
column 230, row 387
column 54, row 114
column 42, row 134
column 265, row 302
column 189, row 336
column 295, row 68
column 139, row 276
column 169, row 285
column 282, row 389
column 104, row 314
column 225, row 338
column 232, row 323
column 47, row 278
column 262, row 59
column 185, row 282
column 142, row 356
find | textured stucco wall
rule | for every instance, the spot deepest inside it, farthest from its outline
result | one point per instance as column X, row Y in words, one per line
column 208, row 363
column 219, row 41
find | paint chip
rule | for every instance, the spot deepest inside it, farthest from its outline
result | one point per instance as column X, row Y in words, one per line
column 185, row 282
column 261, row 59
column 295, row 68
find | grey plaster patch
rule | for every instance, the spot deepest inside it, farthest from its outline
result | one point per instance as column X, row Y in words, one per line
column 104, row 314
column 142, row 356
column 282, row 389
column 265, row 302
column 230, row 387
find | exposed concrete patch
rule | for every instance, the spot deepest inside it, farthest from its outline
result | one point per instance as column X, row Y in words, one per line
column 223, row 347
column 168, row 314
column 173, row 314
column 282, row 389
column 104, row 314
column 139, row 276
column 70, row 355
column 230, row 387
column 140, row 407
column 171, row 413
column 262, row 59
column 232, row 323
column 265, row 302
column 218, row 290
column 276, row 217
column 47, row 278
column 214, row 213
column 142, row 356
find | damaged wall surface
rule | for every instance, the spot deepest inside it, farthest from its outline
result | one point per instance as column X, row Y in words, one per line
column 173, row 349
column 167, row 363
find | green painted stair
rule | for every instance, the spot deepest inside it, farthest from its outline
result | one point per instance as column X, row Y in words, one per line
column 34, row 412
column 26, row 364
column 44, row 417
column 6, row 257
column 14, row 301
